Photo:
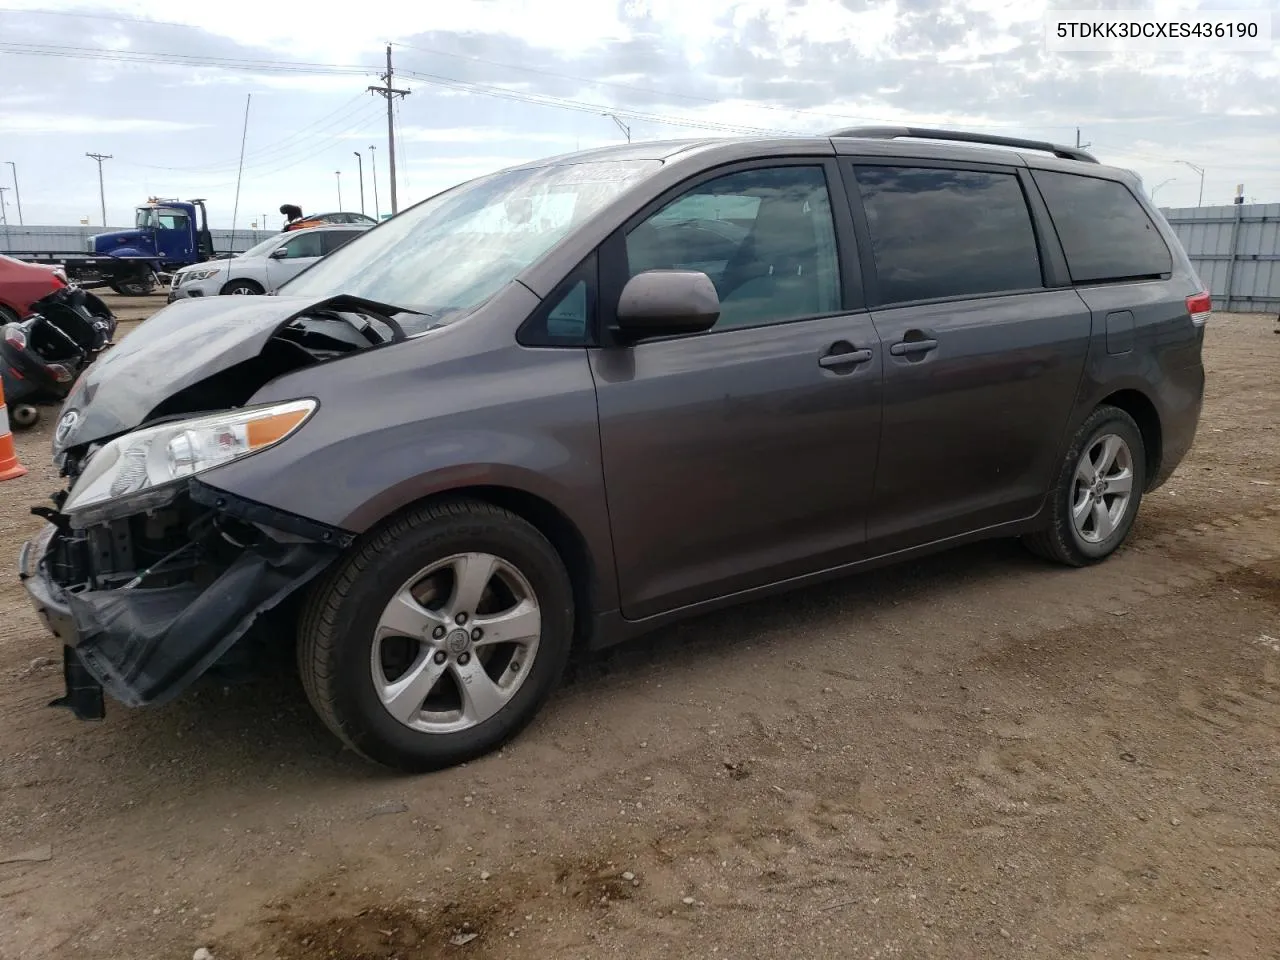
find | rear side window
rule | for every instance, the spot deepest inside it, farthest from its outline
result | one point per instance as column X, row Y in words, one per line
column 1105, row 233
column 939, row 233
column 333, row 239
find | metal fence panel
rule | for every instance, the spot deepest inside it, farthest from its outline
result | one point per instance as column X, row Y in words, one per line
column 61, row 240
column 1236, row 251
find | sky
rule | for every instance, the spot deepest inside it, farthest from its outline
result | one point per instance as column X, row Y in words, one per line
column 162, row 88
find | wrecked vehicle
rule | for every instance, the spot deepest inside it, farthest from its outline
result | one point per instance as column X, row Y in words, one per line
column 566, row 403
column 41, row 356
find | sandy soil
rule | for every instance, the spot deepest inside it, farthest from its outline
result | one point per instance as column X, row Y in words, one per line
column 975, row 756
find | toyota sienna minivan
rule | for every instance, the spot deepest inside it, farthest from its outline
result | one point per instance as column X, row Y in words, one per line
column 555, row 407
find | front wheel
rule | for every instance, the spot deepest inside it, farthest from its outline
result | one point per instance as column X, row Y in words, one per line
column 439, row 637
column 24, row 416
column 1095, row 499
column 241, row 288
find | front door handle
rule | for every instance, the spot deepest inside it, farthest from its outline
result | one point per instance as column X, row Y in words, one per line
column 848, row 359
column 907, row 347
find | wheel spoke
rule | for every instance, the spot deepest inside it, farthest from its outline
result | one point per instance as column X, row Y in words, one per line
column 406, row 617
column 1121, row 483
column 522, row 623
column 1081, row 509
column 1102, row 523
column 481, row 697
column 472, row 574
column 1110, row 450
column 1085, row 473
column 403, row 698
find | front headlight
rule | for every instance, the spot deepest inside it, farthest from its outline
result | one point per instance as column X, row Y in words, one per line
column 146, row 464
column 202, row 274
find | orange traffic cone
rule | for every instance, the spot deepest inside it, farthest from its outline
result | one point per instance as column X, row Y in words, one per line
column 10, row 467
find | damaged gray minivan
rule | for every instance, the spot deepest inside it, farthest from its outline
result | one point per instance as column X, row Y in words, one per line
column 557, row 406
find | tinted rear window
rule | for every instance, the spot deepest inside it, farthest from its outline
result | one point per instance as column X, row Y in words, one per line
column 1105, row 233
column 948, row 233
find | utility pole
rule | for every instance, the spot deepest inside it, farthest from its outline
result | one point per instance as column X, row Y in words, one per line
column 102, row 195
column 4, row 217
column 360, row 164
column 16, row 194
column 338, row 174
column 389, row 93
column 1079, row 145
column 1199, row 170
column 373, row 168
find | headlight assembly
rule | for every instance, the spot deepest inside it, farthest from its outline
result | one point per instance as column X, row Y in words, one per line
column 204, row 274
column 144, row 467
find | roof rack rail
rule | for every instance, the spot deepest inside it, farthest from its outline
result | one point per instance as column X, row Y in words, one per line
column 927, row 133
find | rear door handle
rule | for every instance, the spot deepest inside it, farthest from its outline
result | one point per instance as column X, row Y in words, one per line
column 844, row 359
column 906, row 347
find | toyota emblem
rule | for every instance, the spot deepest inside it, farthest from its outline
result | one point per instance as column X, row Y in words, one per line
column 65, row 425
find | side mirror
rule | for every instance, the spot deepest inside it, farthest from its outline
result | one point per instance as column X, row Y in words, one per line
column 663, row 303
column 279, row 253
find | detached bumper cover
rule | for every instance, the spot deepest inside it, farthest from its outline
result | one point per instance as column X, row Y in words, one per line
column 147, row 645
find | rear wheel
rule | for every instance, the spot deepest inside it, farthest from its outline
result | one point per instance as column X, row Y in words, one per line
column 1098, row 491
column 241, row 288
column 439, row 637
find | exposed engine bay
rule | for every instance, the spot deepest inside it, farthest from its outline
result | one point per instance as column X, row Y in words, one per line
column 150, row 589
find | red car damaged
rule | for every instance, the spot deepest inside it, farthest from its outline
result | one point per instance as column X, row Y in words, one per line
column 22, row 284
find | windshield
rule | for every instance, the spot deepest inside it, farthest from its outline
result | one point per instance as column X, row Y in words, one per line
column 452, row 252
column 260, row 249
column 166, row 218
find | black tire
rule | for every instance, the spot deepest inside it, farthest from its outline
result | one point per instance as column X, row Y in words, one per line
column 134, row 288
column 1060, row 541
column 23, row 416
column 336, row 630
column 240, row 288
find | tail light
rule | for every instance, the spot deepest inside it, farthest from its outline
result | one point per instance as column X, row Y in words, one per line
column 1200, row 305
column 60, row 373
column 15, row 338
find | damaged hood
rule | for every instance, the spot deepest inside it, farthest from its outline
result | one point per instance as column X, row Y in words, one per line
column 179, row 346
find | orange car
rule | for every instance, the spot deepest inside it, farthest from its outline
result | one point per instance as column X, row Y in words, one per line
column 327, row 218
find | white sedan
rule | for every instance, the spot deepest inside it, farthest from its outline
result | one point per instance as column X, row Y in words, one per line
column 262, row 268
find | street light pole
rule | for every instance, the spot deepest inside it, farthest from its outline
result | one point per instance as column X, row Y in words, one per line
column 1199, row 170
column 16, row 194
column 1158, row 186
column 360, row 164
column 338, row 174
column 373, row 169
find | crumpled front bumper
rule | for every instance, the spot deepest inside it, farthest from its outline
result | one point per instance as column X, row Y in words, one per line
column 146, row 645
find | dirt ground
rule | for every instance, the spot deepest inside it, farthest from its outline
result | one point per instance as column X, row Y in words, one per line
column 973, row 756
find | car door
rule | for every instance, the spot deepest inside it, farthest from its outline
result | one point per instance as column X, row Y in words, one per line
column 292, row 257
column 983, row 344
column 744, row 455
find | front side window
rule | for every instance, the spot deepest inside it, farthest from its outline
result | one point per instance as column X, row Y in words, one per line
column 304, row 245
column 938, row 233
column 452, row 252
column 765, row 237
column 1105, row 233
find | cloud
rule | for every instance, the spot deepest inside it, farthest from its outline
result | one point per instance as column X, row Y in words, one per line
column 35, row 124
column 498, row 82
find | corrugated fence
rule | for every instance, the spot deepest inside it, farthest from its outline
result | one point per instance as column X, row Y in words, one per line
column 1236, row 251
column 29, row 239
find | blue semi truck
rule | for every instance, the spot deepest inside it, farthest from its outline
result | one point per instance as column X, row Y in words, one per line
column 167, row 235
